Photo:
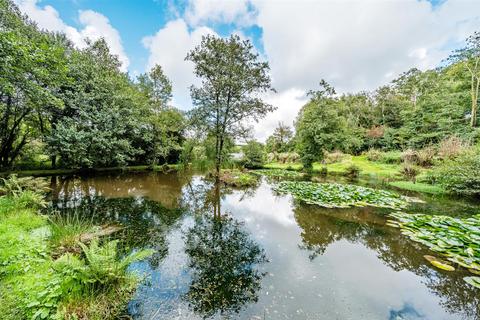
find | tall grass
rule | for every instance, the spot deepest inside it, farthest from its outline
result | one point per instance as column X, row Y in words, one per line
column 66, row 229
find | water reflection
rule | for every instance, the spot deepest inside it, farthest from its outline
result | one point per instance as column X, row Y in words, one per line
column 323, row 263
column 224, row 260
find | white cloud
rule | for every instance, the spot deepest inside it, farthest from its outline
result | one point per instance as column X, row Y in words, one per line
column 358, row 45
column 168, row 48
column 219, row 11
column 95, row 26
column 288, row 103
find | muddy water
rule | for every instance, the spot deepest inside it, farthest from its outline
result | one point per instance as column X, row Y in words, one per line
column 266, row 256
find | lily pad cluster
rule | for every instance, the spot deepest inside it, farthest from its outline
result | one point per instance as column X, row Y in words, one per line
column 335, row 195
column 279, row 173
column 457, row 239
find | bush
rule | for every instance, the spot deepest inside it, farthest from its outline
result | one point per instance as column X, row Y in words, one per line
column 334, row 157
column 352, row 172
column 409, row 156
column 452, row 147
column 253, row 155
column 461, row 175
column 14, row 186
column 374, row 155
column 426, row 156
column 409, row 171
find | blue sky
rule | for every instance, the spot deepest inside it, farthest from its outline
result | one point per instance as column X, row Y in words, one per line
column 136, row 19
column 355, row 45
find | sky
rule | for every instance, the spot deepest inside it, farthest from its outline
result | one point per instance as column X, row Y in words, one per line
column 356, row 45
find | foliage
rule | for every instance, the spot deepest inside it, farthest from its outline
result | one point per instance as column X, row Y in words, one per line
column 455, row 238
column 352, row 172
column 232, row 79
column 459, row 176
column 237, row 178
column 14, row 186
column 224, row 260
column 334, row 157
column 319, row 127
column 281, row 139
column 65, row 230
column 334, row 195
column 451, row 147
column 417, row 187
column 409, row 171
column 253, row 155
column 279, row 173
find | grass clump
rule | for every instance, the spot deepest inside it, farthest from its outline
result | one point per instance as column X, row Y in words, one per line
column 334, row 195
column 457, row 239
column 237, row 178
column 66, row 230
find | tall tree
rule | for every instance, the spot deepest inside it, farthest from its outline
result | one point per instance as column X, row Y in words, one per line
column 156, row 86
column 229, row 95
column 280, row 140
column 469, row 57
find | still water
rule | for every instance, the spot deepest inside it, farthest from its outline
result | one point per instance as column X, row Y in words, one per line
column 266, row 256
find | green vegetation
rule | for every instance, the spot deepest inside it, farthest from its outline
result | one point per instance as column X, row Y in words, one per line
column 279, row 173
column 91, row 283
column 418, row 187
column 334, row 195
column 232, row 78
column 253, row 155
column 237, row 178
column 457, row 239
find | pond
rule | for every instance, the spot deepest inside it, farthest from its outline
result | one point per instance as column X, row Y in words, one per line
column 267, row 256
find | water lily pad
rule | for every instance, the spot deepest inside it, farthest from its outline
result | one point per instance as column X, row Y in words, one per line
column 441, row 264
column 473, row 281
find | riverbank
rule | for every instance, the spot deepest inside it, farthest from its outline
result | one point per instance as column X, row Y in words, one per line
column 47, row 273
column 54, row 172
column 388, row 174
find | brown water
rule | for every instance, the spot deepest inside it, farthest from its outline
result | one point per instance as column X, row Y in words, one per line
column 268, row 257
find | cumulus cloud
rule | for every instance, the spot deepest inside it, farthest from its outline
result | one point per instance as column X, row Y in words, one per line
column 95, row 26
column 359, row 45
column 219, row 11
column 168, row 48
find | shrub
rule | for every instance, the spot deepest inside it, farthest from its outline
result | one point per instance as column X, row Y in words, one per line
column 253, row 155
column 409, row 171
column 410, row 156
column 426, row 156
column 352, row 172
column 14, row 186
column 452, row 147
column 461, row 175
column 334, row 157
column 374, row 154
column 391, row 157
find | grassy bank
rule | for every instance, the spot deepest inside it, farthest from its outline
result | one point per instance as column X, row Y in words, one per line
column 389, row 173
column 367, row 168
column 52, row 172
column 41, row 278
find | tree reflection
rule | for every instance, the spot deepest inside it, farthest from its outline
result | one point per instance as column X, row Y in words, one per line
column 224, row 261
column 146, row 223
column 323, row 227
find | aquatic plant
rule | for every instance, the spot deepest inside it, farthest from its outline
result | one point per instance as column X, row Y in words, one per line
column 279, row 173
column 334, row 195
column 458, row 239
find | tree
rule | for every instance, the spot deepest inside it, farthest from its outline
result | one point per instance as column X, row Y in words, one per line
column 469, row 58
column 280, row 140
column 253, row 155
column 319, row 127
column 156, row 86
column 32, row 67
column 232, row 79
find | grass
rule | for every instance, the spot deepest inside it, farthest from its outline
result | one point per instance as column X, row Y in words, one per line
column 367, row 168
column 418, row 187
column 93, row 284
column 237, row 178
